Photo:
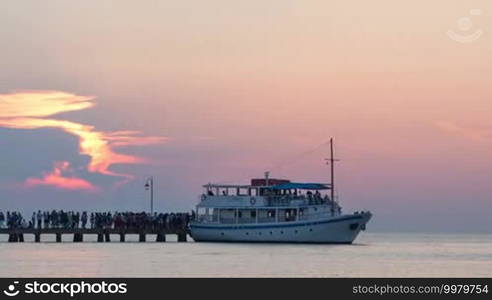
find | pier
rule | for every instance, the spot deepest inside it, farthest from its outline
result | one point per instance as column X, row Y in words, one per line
column 104, row 225
column 103, row 235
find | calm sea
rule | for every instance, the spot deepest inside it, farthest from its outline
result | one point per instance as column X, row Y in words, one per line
column 373, row 255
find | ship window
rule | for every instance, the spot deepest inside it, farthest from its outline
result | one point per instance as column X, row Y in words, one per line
column 295, row 231
column 259, row 233
column 310, row 229
column 253, row 214
column 247, row 233
column 281, row 232
column 222, row 233
column 271, row 232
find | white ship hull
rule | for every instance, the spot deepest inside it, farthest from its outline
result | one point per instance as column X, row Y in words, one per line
column 340, row 229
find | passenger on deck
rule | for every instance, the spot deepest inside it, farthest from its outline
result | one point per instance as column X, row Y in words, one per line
column 310, row 197
column 317, row 197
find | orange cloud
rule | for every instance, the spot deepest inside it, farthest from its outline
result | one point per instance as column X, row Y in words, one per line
column 55, row 178
column 28, row 110
column 41, row 103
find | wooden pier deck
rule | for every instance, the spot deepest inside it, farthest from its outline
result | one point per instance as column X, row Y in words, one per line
column 103, row 234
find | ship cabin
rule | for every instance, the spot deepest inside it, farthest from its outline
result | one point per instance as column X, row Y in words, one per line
column 265, row 201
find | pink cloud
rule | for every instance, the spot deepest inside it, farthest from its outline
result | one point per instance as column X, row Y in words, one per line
column 476, row 134
column 57, row 179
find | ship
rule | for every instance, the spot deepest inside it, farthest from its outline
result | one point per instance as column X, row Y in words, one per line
column 270, row 210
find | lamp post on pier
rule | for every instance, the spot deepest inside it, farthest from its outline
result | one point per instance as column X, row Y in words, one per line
column 149, row 185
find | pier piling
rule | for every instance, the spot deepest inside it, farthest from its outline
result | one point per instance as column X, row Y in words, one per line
column 13, row 238
column 161, row 237
column 100, row 238
column 122, row 237
column 182, row 237
column 141, row 237
column 58, row 237
column 78, row 238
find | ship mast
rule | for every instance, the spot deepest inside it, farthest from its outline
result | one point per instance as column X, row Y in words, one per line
column 332, row 165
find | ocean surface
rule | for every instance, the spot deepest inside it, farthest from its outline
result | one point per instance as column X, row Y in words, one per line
column 373, row 255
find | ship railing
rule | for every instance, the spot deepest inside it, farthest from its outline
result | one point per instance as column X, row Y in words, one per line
column 288, row 200
column 300, row 217
column 267, row 220
column 314, row 216
column 227, row 220
column 246, row 220
column 206, row 219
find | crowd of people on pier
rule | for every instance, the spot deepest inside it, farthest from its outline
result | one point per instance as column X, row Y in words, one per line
column 96, row 220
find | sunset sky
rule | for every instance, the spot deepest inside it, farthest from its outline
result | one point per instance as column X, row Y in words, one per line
column 96, row 95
